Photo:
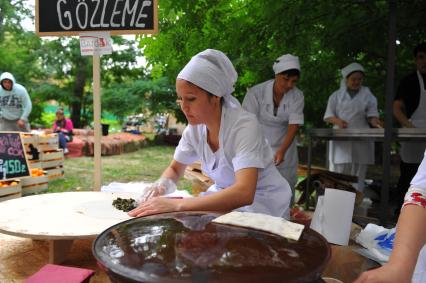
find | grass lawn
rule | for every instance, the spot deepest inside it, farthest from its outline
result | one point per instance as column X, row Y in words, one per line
column 146, row 164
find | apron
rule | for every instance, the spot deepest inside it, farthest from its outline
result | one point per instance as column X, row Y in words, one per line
column 270, row 197
column 352, row 110
column 275, row 129
column 412, row 152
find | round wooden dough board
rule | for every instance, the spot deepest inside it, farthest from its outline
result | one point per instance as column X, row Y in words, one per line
column 69, row 215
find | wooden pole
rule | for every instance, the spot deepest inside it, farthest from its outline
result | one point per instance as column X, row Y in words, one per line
column 390, row 77
column 97, row 178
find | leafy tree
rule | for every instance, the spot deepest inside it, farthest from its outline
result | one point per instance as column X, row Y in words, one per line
column 19, row 52
column 141, row 96
column 326, row 35
column 70, row 78
column 11, row 14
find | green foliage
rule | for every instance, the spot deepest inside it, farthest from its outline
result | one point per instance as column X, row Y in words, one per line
column 140, row 96
column 71, row 77
column 11, row 14
column 326, row 35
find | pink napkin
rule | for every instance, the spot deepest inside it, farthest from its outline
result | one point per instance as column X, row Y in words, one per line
column 51, row 273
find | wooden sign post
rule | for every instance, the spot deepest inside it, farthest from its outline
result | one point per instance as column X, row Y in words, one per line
column 74, row 17
column 13, row 158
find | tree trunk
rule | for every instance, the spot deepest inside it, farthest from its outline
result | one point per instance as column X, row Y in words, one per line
column 76, row 105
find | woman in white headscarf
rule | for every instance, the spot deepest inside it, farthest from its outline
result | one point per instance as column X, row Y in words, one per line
column 227, row 140
column 352, row 106
column 278, row 105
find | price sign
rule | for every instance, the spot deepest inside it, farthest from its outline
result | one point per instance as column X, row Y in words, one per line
column 13, row 159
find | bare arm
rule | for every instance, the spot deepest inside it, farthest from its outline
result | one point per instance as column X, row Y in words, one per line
column 241, row 193
column 288, row 139
column 174, row 171
column 398, row 112
column 410, row 237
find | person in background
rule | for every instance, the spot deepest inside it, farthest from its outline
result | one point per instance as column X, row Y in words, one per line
column 409, row 109
column 410, row 239
column 15, row 105
column 278, row 105
column 63, row 127
column 228, row 141
column 352, row 106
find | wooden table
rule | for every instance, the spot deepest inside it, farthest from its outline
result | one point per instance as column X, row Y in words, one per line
column 61, row 218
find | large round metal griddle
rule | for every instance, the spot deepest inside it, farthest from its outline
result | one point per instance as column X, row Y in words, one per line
column 187, row 247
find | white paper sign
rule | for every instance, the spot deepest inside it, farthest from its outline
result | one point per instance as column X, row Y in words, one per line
column 95, row 43
column 318, row 218
column 333, row 216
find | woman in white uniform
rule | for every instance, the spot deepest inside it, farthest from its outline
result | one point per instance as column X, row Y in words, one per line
column 352, row 106
column 278, row 105
column 227, row 140
column 405, row 263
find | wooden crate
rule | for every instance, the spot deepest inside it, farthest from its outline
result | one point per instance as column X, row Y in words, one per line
column 48, row 159
column 52, row 155
column 34, row 164
column 11, row 196
column 55, row 173
column 28, row 139
column 10, row 192
column 52, row 164
column 31, row 185
column 48, row 142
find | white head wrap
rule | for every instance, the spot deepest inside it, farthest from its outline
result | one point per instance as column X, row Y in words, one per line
column 212, row 71
column 346, row 71
column 353, row 67
column 286, row 62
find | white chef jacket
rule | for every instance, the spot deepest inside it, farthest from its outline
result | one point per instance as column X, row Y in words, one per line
column 259, row 101
column 355, row 112
column 411, row 152
column 241, row 145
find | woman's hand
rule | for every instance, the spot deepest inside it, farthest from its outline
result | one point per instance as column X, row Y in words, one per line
column 160, row 187
column 375, row 122
column 279, row 157
column 385, row 274
column 156, row 205
column 342, row 124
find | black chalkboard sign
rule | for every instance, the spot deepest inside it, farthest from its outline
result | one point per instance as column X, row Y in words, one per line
column 71, row 17
column 13, row 159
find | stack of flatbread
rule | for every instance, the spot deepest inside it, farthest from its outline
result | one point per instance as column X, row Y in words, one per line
column 263, row 222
